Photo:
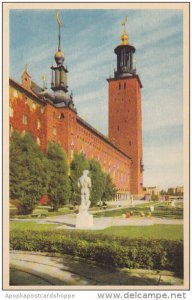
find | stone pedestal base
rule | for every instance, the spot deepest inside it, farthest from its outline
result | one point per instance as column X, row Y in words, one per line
column 84, row 220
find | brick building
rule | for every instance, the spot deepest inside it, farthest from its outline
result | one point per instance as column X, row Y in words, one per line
column 51, row 116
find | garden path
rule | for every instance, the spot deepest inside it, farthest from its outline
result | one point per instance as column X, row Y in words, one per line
column 34, row 269
column 68, row 221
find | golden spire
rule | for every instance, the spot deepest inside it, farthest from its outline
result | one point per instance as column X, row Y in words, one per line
column 60, row 24
column 58, row 19
column 124, row 36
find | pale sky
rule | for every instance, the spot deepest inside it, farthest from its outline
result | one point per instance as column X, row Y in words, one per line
column 88, row 41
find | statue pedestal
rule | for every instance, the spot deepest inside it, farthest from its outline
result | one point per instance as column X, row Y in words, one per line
column 84, row 220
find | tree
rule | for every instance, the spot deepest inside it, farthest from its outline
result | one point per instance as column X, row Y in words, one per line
column 163, row 192
column 27, row 172
column 102, row 188
column 110, row 190
column 97, row 180
column 78, row 164
column 59, row 189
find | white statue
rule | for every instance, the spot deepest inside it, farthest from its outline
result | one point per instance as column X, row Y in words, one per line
column 84, row 183
column 84, row 219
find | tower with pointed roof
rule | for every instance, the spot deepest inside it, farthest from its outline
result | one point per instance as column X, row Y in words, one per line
column 124, row 121
column 59, row 96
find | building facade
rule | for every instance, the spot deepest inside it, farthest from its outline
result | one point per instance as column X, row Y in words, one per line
column 151, row 190
column 51, row 116
column 175, row 191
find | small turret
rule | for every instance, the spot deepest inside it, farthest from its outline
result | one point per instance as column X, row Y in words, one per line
column 26, row 79
column 59, row 72
column 59, row 96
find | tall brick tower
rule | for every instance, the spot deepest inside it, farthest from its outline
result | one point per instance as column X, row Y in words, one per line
column 125, row 129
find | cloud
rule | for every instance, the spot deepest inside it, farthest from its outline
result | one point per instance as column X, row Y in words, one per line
column 84, row 99
column 88, row 44
column 163, row 165
column 158, row 36
column 95, row 112
column 162, row 112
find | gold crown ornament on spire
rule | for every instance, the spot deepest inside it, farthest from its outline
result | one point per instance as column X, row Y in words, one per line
column 124, row 36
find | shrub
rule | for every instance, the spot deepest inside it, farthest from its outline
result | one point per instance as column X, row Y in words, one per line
column 110, row 251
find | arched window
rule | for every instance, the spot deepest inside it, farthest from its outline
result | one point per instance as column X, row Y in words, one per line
column 119, row 85
column 54, row 131
column 15, row 94
column 38, row 141
column 34, row 106
column 24, row 119
column 61, row 116
column 11, row 111
column 38, row 124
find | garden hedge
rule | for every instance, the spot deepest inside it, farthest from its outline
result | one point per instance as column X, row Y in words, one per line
column 111, row 251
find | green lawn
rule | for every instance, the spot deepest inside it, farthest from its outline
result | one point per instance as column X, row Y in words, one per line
column 161, row 210
column 170, row 232
column 15, row 225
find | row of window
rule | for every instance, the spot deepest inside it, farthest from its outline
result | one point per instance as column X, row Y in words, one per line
column 42, row 109
column 107, row 153
column 60, row 116
column 23, row 133
column 108, row 166
column 121, row 176
column 122, row 85
column 24, row 121
column 81, row 130
column 54, row 130
column 95, row 140
column 24, row 118
column 113, row 170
